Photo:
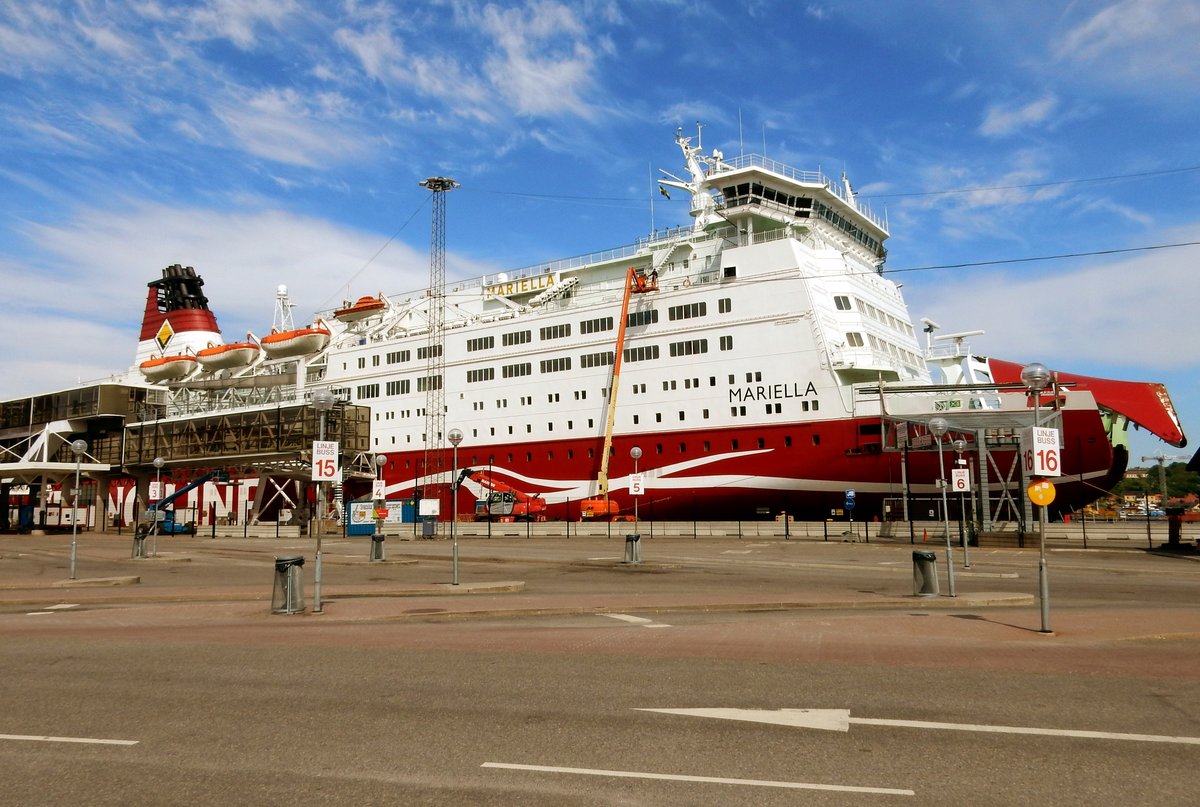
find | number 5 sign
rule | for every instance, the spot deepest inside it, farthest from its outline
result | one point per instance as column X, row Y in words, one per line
column 1039, row 451
column 324, row 461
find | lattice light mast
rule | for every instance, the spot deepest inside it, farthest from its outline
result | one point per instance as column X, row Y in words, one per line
column 435, row 366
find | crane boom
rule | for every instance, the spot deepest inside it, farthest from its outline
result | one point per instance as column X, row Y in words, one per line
column 635, row 283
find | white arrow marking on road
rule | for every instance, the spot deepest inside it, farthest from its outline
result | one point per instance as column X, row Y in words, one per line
column 840, row 720
column 44, row 739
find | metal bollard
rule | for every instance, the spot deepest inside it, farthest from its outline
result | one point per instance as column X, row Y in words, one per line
column 925, row 581
column 377, row 547
column 288, row 594
column 139, row 545
column 632, row 552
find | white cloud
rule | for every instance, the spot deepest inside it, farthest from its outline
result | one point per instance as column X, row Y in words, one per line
column 85, row 300
column 1000, row 120
column 238, row 20
column 285, row 126
column 1136, row 42
column 1134, row 311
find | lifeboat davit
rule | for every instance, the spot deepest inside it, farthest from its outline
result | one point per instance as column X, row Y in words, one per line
column 168, row 368
column 360, row 309
column 224, row 357
column 298, row 342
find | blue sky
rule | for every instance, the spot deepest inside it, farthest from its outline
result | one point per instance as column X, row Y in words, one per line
column 281, row 141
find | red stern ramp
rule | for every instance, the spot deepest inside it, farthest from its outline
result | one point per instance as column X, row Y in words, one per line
column 1144, row 403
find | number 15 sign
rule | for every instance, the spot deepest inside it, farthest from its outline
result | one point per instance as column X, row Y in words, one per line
column 1039, row 451
column 324, row 461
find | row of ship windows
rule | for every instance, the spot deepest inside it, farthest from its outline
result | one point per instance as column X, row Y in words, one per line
column 689, row 347
column 855, row 339
column 842, row 303
column 706, row 447
column 647, row 317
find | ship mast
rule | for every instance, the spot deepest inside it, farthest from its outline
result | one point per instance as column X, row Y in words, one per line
column 435, row 367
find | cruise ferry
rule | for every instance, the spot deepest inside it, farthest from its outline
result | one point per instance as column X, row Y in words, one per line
column 758, row 362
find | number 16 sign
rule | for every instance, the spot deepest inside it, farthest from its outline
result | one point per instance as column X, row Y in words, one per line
column 1039, row 451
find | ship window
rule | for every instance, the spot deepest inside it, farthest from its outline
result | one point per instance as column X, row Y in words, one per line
column 683, row 448
column 570, row 453
column 552, row 398
column 596, row 325
column 529, row 428
column 362, row 362
column 816, row 439
column 591, row 452
column 481, row 343
column 787, row 441
column 804, row 405
column 730, row 271
column 375, row 360
column 681, row 415
column 515, row 370
column 558, row 365
column 483, row 374
column 429, row 350
column 756, row 376
column 643, row 353
column 706, row 414
column 658, row 417
column 515, row 338
column 428, row 382
column 707, row 445
column 647, row 317
column 596, row 359
column 658, row 448
column 842, row 302
column 689, row 348
column 687, row 311
column 555, row 331
column 724, row 305
column 733, row 444
column 635, row 420
column 816, row 405
column 762, row 443
column 528, row 456
column 726, row 344
column 855, row 339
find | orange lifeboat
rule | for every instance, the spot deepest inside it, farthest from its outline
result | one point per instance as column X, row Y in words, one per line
column 360, row 309
column 168, row 368
column 224, row 357
column 298, row 342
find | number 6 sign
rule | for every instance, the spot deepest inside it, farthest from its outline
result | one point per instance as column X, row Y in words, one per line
column 960, row 480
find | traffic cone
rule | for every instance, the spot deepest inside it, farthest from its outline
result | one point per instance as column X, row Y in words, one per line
column 925, row 535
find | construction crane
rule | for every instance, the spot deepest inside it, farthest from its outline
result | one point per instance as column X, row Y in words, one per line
column 600, row 506
column 1161, row 459
column 502, row 501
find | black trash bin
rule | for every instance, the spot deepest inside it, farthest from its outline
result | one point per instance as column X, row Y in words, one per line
column 925, row 581
column 377, row 546
column 632, row 553
column 288, row 595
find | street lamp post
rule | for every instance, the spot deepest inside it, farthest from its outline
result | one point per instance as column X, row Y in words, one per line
column 636, row 453
column 455, row 436
column 380, row 501
column 960, row 445
column 159, row 462
column 322, row 401
column 938, row 427
column 78, row 447
column 1036, row 377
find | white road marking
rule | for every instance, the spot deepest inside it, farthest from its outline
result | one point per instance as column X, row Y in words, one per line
column 673, row 777
column 40, row 613
column 46, row 739
column 638, row 620
column 62, row 606
column 736, row 552
column 840, row 720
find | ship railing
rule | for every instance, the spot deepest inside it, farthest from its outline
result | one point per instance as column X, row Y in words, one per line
column 796, row 175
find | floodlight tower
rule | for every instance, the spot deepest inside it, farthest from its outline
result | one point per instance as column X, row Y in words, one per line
column 435, row 366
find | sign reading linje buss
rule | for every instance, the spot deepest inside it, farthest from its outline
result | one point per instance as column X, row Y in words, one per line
column 325, row 458
column 1040, row 451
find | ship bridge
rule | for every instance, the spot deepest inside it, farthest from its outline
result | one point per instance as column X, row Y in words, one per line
column 759, row 194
